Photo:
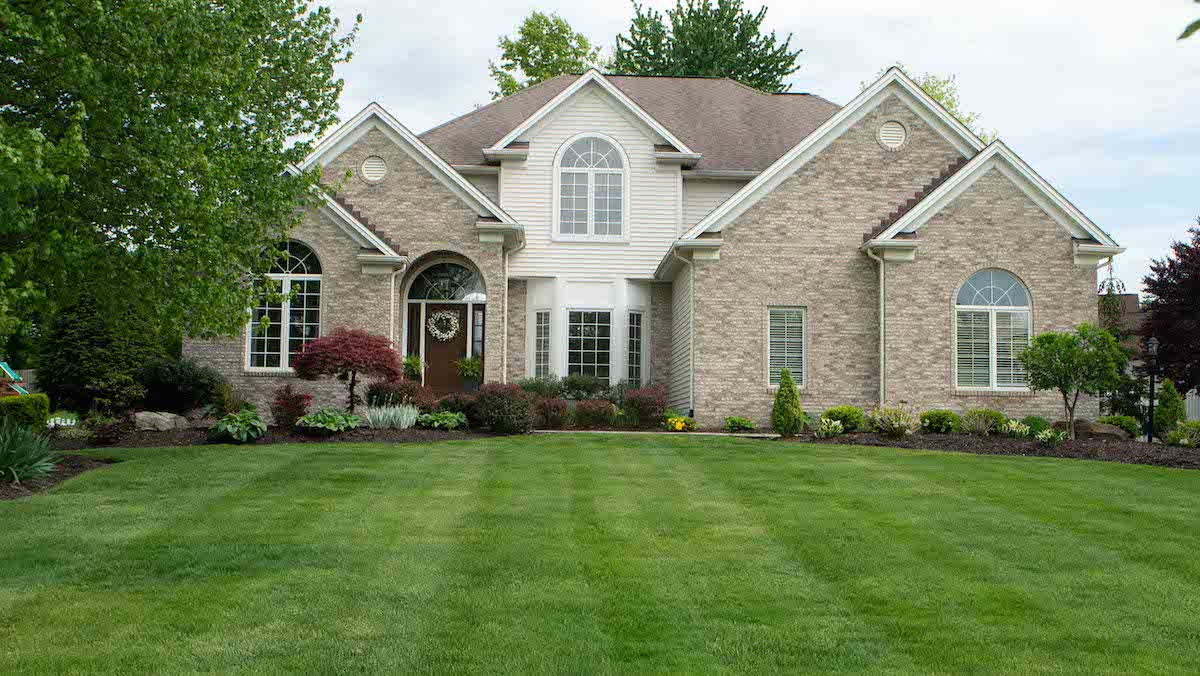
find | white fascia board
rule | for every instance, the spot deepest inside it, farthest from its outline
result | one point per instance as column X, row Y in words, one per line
column 375, row 117
column 596, row 76
column 668, row 262
column 1001, row 157
column 351, row 225
column 893, row 82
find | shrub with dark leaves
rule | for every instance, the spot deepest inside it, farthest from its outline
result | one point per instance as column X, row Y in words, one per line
column 459, row 402
column 646, row 405
column 347, row 354
column 593, row 413
column 178, row 385
column 504, row 409
column 552, row 413
column 289, row 406
column 402, row 393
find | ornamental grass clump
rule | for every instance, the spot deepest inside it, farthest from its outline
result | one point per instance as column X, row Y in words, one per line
column 983, row 421
column 828, row 427
column 787, row 416
column 392, row 417
column 24, row 454
column 896, row 423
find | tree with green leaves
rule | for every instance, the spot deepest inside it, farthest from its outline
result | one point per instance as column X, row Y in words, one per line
column 545, row 46
column 143, row 148
column 787, row 415
column 1087, row 361
column 1191, row 30
column 944, row 90
column 697, row 37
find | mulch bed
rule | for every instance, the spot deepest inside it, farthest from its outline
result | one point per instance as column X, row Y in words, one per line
column 196, row 437
column 1111, row 450
column 68, row 466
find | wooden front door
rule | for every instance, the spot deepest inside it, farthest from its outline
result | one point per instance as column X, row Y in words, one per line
column 440, row 374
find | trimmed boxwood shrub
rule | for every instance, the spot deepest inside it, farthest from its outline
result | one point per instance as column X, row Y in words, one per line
column 646, row 405
column 504, row 409
column 545, row 387
column 940, row 421
column 1125, row 422
column 1036, row 424
column 178, row 385
column 851, row 417
column 29, row 410
column 593, row 413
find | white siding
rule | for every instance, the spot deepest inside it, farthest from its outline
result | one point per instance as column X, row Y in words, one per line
column 679, row 392
column 488, row 184
column 701, row 196
column 527, row 192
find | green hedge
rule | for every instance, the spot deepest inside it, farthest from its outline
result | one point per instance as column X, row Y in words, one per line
column 32, row 410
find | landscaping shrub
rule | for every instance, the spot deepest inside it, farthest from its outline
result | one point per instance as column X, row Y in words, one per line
column 851, row 417
column 829, row 427
column 289, row 406
column 646, row 405
column 736, row 424
column 545, row 387
column 1015, row 429
column 30, row 410
column 401, row 392
column 1126, row 422
column 178, row 385
column 243, row 427
column 399, row 417
column 1169, row 409
column 444, row 420
column 1185, row 434
column 24, row 453
column 1051, row 438
column 940, row 421
column 347, row 353
column 326, row 422
column 787, row 416
column 1036, row 424
column 459, row 402
column 504, row 409
column 227, row 400
column 115, row 395
column 897, row 423
column 552, row 413
column 593, row 413
column 983, row 421
column 106, row 429
column 681, row 424
column 580, row 387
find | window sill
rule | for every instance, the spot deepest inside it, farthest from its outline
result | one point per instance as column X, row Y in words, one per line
column 993, row 392
column 581, row 239
column 252, row 372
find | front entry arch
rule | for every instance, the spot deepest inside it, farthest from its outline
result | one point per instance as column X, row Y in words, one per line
column 446, row 308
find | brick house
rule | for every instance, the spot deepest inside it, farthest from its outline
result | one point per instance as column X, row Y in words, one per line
column 691, row 232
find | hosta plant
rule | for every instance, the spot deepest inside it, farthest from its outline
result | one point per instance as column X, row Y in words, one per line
column 1015, row 429
column 736, row 424
column 327, row 421
column 24, row 454
column 392, row 417
column 828, row 427
column 1051, row 437
column 243, row 427
column 1185, row 435
column 445, row 420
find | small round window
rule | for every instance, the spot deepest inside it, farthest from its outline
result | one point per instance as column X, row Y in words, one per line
column 374, row 168
column 892, row 135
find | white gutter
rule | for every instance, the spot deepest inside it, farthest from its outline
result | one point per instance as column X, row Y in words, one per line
column 883, row 307
column 691, row 332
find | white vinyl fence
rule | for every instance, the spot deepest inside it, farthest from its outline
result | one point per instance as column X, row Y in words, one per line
column 1193, row 405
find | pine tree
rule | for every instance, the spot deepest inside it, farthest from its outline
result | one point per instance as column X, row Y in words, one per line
column 1169, row 409
column 787, row 416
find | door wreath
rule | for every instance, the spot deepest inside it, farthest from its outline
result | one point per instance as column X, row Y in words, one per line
column 443, row 325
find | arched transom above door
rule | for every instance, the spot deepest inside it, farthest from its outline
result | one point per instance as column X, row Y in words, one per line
column 448, row 281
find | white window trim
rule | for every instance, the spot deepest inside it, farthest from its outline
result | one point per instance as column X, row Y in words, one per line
column 285, row 330
column 991, row 311
column 566, row 337
column 556, row 208
column 531, row 364
column 644, row 344
column 803, row 384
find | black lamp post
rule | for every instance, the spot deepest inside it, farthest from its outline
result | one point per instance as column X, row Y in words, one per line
column 1152, row 349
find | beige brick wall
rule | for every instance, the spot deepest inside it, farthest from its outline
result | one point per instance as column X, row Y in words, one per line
column 660, row 334
column 421, row 217
column 517, row 336
column 800, row 246
column 992, row 225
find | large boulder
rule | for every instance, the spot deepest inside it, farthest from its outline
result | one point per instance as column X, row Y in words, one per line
column 1086, row 429
column 157, row 421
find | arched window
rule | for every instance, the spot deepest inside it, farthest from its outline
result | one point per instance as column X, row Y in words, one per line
column 992, row 327
column 591, row 190
column 289, row 316
column 448, row 281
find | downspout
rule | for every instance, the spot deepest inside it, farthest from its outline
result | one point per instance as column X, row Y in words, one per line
column 392, row 288
column 691, row 332
column 506, row 253
column 882, row 329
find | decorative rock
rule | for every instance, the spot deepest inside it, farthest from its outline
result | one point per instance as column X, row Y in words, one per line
column 159, row 421
column 1086, row 429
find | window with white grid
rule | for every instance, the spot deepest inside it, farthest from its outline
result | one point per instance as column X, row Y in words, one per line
column 634, row 368
column 288, row 316
column 992, row 325
column 786, row 343
column 589, row 335
column 541, row 344
column 591, row 190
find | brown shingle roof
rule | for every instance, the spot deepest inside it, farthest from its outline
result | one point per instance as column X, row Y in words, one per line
column 736, row 128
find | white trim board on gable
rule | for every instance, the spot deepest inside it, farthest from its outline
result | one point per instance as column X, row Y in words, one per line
column 375, row 117
column 1000, row 157
column 893, row 83
column 567, row 94
column 358, row 232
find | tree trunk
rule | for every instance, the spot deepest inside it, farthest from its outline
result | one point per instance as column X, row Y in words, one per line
column 353, row 383
column 1070, row 411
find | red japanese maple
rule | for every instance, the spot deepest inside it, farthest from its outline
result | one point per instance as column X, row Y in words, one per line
column 346, row 354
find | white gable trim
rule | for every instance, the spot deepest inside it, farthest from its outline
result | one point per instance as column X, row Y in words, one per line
column 358, row 232
column 375, row 117
column 565, row 95
column 1000, row 157
column 893, row 83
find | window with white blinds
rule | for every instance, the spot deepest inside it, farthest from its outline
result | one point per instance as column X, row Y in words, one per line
column 786, row 343
column 992, row 326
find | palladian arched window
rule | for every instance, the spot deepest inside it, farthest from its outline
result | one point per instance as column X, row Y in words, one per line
column 992, row 326
column 591, row 190
column 284, row 322
column 448, row 281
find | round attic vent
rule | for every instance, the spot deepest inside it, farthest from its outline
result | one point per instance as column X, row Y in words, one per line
column 374, row 168
column 892, row 135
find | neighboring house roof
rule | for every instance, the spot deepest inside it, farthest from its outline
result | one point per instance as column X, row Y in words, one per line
column 999, row 156
column 1132, row 313
column 732, row 126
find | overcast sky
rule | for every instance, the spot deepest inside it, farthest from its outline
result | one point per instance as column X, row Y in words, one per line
column 1096, row 95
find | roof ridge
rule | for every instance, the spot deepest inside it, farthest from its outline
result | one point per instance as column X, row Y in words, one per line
column 489, row 104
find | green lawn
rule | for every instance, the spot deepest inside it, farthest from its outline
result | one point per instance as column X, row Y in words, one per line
column 602, row 554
